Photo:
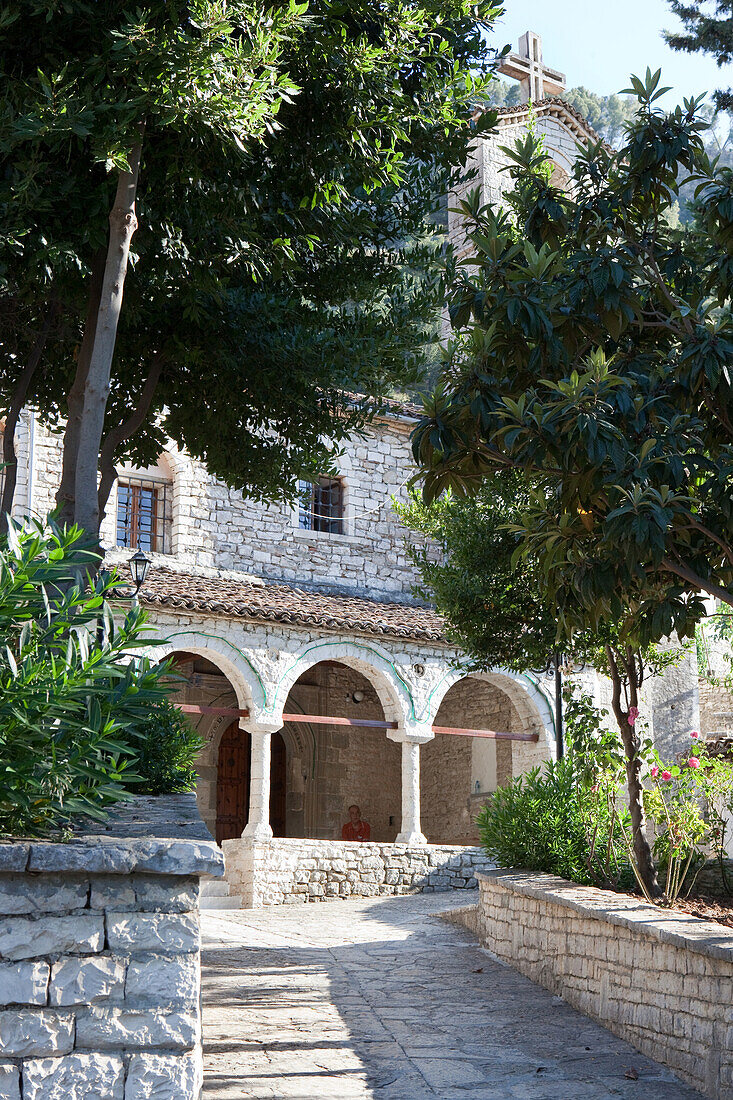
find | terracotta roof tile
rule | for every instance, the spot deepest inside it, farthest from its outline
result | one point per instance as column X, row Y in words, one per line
column 256, row 600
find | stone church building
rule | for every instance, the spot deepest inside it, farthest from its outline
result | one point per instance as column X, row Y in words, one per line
column 314, row 677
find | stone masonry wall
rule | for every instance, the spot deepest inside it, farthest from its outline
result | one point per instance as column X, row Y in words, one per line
column 661, row 980
column 716, row 709
column 100, row 969
column 285, row 871
column 215, row 527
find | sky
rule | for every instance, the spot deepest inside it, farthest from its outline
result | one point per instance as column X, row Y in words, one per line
column 598, row 43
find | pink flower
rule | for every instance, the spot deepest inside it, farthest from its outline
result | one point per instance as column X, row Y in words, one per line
column 594, row 788
column 693, row 762
column 655, row 772
column 695, row 733
column 666, row 776
column 633, row 715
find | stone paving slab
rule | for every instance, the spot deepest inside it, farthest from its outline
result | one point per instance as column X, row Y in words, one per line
column 379, row 998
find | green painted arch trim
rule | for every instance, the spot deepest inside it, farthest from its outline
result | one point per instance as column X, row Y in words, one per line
column 270, row 709
column 516, row 675
column 231, row 645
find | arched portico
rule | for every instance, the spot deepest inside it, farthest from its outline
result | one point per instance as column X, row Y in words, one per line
column 374, row 663
column 459, row 772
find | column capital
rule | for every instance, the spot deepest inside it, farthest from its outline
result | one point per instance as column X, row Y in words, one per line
column 417, row 734
column 259, row 725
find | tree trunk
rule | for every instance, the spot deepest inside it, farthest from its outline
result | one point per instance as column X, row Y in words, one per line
column 115, row 437
column 14, row 410
column 642, row 850
column 65, row 495
column 123, row 224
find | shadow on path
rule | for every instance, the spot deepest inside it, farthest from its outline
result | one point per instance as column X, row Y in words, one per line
column 379, row 998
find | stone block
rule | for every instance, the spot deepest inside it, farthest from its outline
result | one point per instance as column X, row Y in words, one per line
column 9, row 1081
column 24, row 983
column 26, row 1033
column 75, row 1077
column 80, row 933
column 164, row 980
column 167, row 895
column 76, row 981
column 14, row 857
column 163, row 1077
column 21, row 894
column 175, row 932
column 109, row 1028
column 113, row 892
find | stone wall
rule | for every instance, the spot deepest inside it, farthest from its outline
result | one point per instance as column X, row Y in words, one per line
column 215, row 527
column 659, row 979
column 285, row 872
column 99, row 960
column 716, row 709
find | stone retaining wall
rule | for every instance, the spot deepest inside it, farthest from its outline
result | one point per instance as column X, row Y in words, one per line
column 659, row 979
column 99, row 963
column 288, row 871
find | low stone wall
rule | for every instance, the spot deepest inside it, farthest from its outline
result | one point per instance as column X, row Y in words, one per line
column 99, row 960
column 659, row 979
column 290, row 871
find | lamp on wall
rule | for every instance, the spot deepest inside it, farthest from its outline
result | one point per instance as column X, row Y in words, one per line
column 139, row 565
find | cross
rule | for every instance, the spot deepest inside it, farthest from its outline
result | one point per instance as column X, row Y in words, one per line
column 536, row 80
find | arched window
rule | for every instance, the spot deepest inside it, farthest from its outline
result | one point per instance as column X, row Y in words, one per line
column 145, row 508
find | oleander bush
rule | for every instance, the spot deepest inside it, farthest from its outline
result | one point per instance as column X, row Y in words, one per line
column 76, row 696
column 167, row 747
column 548, row 820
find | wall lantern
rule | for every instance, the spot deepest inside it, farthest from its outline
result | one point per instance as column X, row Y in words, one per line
column 139, row 566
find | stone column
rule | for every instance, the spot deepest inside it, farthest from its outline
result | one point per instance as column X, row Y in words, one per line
column 410, row 833
column 258, row 825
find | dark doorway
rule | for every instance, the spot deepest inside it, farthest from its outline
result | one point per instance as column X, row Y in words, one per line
column 277, row 786
column 232, row 783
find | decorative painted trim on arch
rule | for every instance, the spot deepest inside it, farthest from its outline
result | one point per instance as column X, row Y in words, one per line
column 535, row 693
column 378, row 660
column 220, row 641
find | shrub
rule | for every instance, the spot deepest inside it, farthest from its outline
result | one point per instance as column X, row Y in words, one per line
column 70, row 692
column 166, row 747
column 551, row 821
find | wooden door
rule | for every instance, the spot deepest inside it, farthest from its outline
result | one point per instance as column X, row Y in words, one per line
column 232, row 783
column 277, row 786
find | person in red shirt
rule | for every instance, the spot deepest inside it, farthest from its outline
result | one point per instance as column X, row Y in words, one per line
column 355, row 828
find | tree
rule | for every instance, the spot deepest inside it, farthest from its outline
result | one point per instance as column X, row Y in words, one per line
column 592, row 355
column 708, row 27
column 492, row 604
column 268, row 281
column 497, row 608
column 607, row 114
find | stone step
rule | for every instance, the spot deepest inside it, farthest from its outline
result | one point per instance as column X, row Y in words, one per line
column 214, row 888
column 220, row 902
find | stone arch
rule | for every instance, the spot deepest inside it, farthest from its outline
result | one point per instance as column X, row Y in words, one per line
column 245, row 679
column 524, row 691
column 459, row 772
column 376, row 665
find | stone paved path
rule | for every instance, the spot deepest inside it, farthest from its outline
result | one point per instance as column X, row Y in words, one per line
column 379, row 998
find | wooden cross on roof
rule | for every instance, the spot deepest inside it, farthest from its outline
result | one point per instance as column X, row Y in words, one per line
column 536, row 79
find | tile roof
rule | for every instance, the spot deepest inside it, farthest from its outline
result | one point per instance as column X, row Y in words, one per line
column 257, row 600
column 551, row 105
